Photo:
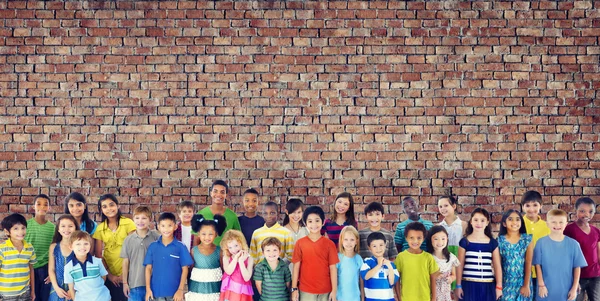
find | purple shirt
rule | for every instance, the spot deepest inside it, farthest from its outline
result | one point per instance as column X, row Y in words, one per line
column 589, row 247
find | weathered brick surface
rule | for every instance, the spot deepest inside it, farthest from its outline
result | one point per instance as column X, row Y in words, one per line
column 153, row 100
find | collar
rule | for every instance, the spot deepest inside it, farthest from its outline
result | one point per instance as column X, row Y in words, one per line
column 73, row 257
column 159, row 240
column 530, row 221
column 280, row 264
column 275, row 226
column 10, row 244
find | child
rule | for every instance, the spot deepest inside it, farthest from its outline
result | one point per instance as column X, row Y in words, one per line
column 588, row 238
column 133, row 252
column 17, row 258
column 374, row 213
column 314, row 261
column 205, row 282
column 250, row 221
column 60, row 250
column 293, row 219
column 237, row 268
column 378, row 273
column 40, row 236
column 349, row 265
column 166, row 263
column 183, row 233
column 480, row 259
column 343, row 215
column 531, row 204
column 437, row 245
column 76, row 206
column 516, row 252
column 272, row 275
column 109, row 236
column 84, row 273
column 418, row 269
column 218, row 195
column 411, row 208
column 558, row 260
column 271, row 229
column 451, row 222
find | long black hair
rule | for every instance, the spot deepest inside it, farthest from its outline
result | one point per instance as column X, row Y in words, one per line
column 488, row 228
column 503, row 229
column 433, row 231
column 291, row 206
column 113, row 198
column 350, row 218
column 85, row 217
column 218, row 222
column 57, row 238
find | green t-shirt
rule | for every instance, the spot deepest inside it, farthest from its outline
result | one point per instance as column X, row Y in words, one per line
column 415, row 271
column 40, row 236
column 230, row 217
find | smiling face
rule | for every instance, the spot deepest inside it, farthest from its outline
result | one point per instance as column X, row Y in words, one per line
column 109, row 208
column 341, row 206
column 513, row 223
column 439, row 241
column 374, row 218
column 250, row 203
column 271, row 253
column 349, row 241
column 17, row 232
column 233, row 246
column 411, row 209
column 166, row 227
column 557, row 224
column 218, row 194
column 186, row 214
column 415, row 239
column 377, row 248
column 296, row 216
column 270, row 215
column 479, row 222
column 314, row 223
column 207, row 235
column 81, row 247
column 532, row 210
column 76, row 208
column 66, row 227
column 445, row 207
column 41, row 206
column 585, row 212
column 141, row 221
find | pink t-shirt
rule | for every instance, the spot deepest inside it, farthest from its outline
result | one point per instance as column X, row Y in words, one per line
column 589, row 247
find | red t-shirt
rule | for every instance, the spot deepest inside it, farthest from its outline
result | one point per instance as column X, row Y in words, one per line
column 315, row 257
column 589, row 248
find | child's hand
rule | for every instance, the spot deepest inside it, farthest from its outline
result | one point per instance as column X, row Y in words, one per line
column 243, row 256
column 572, row 294
column 450, row 279
column 380, row 261
column 61, row 293
column 525, row 291
column 543, row 292
column 126, row 290
column 178, row 295
column 116, row 280
column 498, row 294
column 332, row 297
column 47, row 280
column 32, row 295
column 149, row 295
column 295, row 295
column 459, row 293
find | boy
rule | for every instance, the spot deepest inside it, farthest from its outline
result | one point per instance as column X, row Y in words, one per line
column 39, row 235
column 418, row 269
column 272, row 229
column 315, row 258
column 531, row 204
column 374, row 213
column 17, row 258
column 588, row 238
column 183, row 233
column 218, row 195
column 411, row 208
column 558, row 261
column 166, row 263
column 84, row 273
column 377, row 272
column 250, row 221
column 272, row 275
column 133, row 253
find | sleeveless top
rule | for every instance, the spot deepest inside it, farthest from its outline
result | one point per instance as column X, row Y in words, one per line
column 59, row 261
column 206, row 274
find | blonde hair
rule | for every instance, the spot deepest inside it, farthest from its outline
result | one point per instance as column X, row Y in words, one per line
column 79, row 235
column 233, row 235
column 349, row 230
column 143, row 210
column 558, row 213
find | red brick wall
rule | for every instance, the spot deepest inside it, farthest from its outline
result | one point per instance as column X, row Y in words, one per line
column 153, row 100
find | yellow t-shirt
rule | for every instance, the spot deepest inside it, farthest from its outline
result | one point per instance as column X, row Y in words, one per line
column 415, row 273
column 113, row 241
column 538, row 230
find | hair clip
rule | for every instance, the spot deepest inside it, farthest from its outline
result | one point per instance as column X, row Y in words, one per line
column 216, row 221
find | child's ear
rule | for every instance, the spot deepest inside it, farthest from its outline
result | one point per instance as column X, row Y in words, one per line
column 6, row 233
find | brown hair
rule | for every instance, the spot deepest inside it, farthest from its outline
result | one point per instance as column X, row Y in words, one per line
column 80, row 235
column 558, row 213
column 143, row 210
column 271, row 241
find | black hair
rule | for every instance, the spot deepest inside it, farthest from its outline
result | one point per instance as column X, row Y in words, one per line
column 450, row 199
column 221, row 183
column 12, row 220
column 375, row 236
column 505, row 216
column 374, row 206
column 486, row 214
column 41, row 196
column 530, row 197
column 250, row 190
column 85, row 217
column 167, row 216
column 313, row 210
column 291, row 207
column 113, row 198
column 350, row 218
column 415, row 226
column 585, row 200
column 271, row 204
column 185, row 204
column 433, row 231
column 218, row 222
column 57, row 238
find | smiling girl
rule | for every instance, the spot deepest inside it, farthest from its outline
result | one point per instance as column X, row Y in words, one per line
column 343, row 215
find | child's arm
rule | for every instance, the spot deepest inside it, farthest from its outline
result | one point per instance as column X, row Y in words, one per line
column 543, row 290
column 259, row 286
column 71, row 292
column 525, row 291
column 497, row 272
column 32, row 281
column 148, row 276
column 433, row 282
column 125, row 276
column 295, row 275
column 573, row 291
column 246, row 270
column 452, row 277
column 52, row 273
column 459, row 270
column 334, row 282
column 99, row 248
column 179, row 293
column 391, row 276
column 229, row 264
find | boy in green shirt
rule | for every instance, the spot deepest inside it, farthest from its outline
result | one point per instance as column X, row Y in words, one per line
column 39, row 233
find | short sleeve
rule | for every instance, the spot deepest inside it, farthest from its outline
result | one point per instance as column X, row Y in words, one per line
column 185, row 258
column 258, row 273
column 367, row 265
column 288, row 242
column 97, row 235
column 398, row 237
column 67, row 274
column 287, row 274
column 398, row 262
column 396, row 274
column 454, row 260
column 129, row 226
column 537, row 252
column 493, row 244
column 33, row 258
column 254, row 249
column 463, row 242
column 103, row 271
column 433, row 266
column 359, row 261
column 297, row 257
column 149, row 255
column 333, row 254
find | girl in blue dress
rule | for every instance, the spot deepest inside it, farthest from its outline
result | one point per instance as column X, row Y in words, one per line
column 516, row 252
column 60, row 250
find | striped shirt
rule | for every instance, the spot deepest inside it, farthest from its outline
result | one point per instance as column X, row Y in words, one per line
column 86, row 278
column 399, row 235
column 274, row 282
column 333, row 230
column 378, row 288
column 282, row 233
column 40, row 237
column 15, row 268
column 478, row 260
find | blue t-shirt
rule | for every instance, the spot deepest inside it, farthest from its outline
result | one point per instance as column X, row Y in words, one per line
column 378, row 287
column 558, row 259
column 167, row 262
column 249, row 225
column 348, row 273
column 87, row 278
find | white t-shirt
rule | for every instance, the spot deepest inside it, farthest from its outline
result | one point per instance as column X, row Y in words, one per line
column 186, row 236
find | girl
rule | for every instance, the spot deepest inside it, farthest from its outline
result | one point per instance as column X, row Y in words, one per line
column 109, row 235
column 293, row 219
column 349, row 265
column 205, row 281
column 478, row 252
column 451, row 222
column 343, row 215
column 76, row 206
column 237, row 268
column 437, row 245
column 60, row 250
column 516, row 251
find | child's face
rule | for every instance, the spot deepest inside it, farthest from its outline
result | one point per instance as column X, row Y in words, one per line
column 271, row 253
column 81, row 247
column 349, row 241
column 557, row 224
column 109, row 208
column 374, row 218
column 439, row 241
column 296, row 216
column 513, row 222
column 532, row 209
column 66, row 227
column 250, row 202
column 415, row 239
column 342, row 205
column 41, row 206
column 142, row 221
column 314, row 223
column 218, row 195
column 479, row 222
column 233, row 246
column 17, row 232
column 411, row 209
column 445, row 207
column 585, row 212
column 76, row 208
column 270, row 215
column 186, row 214
column 377, row 248
column 166, row 227
column 207, row 235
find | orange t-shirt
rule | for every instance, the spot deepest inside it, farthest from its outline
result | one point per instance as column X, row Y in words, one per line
column 315, row 257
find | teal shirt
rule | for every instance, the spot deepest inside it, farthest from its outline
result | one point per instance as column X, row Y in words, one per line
column 40, row 236
column 230, row 216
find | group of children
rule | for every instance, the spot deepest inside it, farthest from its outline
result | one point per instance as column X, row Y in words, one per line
column 212, row 255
